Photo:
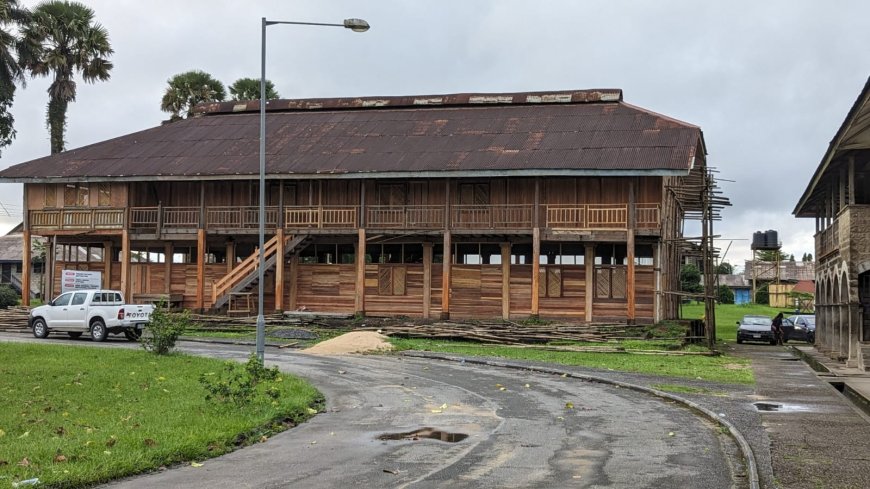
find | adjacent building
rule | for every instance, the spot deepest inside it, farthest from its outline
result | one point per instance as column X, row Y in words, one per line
column 838, row 198
column 564, row 204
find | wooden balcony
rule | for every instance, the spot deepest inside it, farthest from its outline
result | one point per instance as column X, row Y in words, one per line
column 77, row 219
column 161, row 220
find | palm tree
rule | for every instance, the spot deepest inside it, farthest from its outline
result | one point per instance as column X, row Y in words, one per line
column 187, row 89
column 63, row 39
column 249, row 89
column 11, row 15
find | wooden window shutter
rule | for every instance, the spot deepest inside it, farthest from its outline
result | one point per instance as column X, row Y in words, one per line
column 385, row 280
column 104, row 191
column 542, row 282
column 399, row 276
column 602, row 283
column 70, row 193
column 554, row 282
column 618, row 283
column 50, row 195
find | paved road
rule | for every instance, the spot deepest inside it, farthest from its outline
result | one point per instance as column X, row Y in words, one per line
column 520, row 432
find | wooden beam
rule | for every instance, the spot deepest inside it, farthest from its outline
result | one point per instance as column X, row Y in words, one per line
column 359, row 302
column 445, row 277
column 279, row 271
column 200, row 269
column 536, row 213
column 851, row 179
column 48, row 271
column 842, row 185
column 505, row 281
column 294, row 270
column 589, row 261
column 536, row 269
column 107, row 265
column 427, row 280
column 26, row 269
column 630, row 277
column 167, row 252
column 231, row 255
column 657, row 290
column 125, row 264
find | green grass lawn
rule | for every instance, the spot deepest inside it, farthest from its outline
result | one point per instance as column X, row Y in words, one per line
column 727, row 316
column 76, row 416
column 718, row 369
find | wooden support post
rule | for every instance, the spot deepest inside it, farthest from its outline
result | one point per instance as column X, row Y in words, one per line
column 851, row 180
column 445, row 277
column 536, row 214
column 200, row 269
column 26, row 269
column 231, row 255
column 294, row 270
column 279, row 271
column 842, row 184
column 202, row 205
column 48, row 270
column 107, row 265
column 657, row 291
column 427, row 280
column 167, row 270
column 360, row 296
column 505, row 281
column 125, row 264
column 629, row 244
column 589, row 261
column 536, row 269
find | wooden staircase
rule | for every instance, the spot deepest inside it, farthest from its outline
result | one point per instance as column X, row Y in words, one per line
column 245, row 276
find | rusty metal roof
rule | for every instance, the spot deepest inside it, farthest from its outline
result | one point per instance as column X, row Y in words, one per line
column 546, row 133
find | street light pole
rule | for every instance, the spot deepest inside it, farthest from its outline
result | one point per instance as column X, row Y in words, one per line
column 356, row 25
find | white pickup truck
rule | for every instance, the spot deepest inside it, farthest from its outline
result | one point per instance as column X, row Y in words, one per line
column 98, row 312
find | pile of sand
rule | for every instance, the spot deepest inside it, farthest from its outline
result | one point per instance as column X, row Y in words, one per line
column 354, row 342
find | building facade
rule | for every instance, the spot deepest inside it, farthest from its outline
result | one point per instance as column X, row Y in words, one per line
column 838, row 198
column 558, row 204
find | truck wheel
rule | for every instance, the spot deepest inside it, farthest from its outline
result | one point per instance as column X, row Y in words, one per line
column 98, row 330
column 74, row 334
column 40, row 330
column 132, row 334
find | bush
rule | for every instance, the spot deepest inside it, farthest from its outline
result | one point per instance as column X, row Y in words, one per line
column 238, row 383
column 8, row 297
column 164, row 329
column 725, row 295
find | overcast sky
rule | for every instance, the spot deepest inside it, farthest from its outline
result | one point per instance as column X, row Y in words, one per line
column 768, row 82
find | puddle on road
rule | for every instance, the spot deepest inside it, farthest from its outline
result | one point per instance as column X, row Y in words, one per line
column 425, row 433
column 780, row 407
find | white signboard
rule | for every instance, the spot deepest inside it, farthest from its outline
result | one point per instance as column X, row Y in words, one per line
column 80, row 280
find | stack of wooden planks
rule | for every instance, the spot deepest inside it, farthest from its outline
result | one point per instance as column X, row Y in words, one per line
column 510, row 333
column 14, row 319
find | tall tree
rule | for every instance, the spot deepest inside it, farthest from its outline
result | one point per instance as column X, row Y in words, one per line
column 61, row 40
column 12, row 16
column 187, row 89
column 249, row 89
column 725, row 268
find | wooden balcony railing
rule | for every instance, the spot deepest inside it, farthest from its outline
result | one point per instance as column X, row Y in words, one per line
column 423, row 217
column 828, row 240
column 491, row 216
column 341, row 217
column 409, row 216
column 240, row 217
column 77, row 219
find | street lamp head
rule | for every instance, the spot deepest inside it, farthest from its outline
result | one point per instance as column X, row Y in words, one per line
column 356, row 25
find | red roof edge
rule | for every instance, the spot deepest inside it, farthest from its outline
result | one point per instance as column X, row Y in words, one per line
column 420, row 101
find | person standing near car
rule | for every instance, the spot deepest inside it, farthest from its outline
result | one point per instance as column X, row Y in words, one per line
column 776, row 326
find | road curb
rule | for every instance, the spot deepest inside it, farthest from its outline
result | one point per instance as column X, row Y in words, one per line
column 745, row 448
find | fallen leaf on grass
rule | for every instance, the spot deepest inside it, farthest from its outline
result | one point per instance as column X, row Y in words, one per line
column 24, row 462
column 59, row 458
column 264, row 438
column 25, row 435
column 312, row 411
column 149, row 442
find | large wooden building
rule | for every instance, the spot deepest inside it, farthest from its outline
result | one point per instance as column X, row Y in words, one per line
column 838, row 197
column 560, row 204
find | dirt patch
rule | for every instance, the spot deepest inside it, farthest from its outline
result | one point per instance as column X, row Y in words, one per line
column 735, row 366
column 353, row 342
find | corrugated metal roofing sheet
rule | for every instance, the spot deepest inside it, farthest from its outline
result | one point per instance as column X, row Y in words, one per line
column 577, row 130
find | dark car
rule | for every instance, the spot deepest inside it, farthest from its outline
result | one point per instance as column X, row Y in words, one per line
column 801, row 327
column 755, row 328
